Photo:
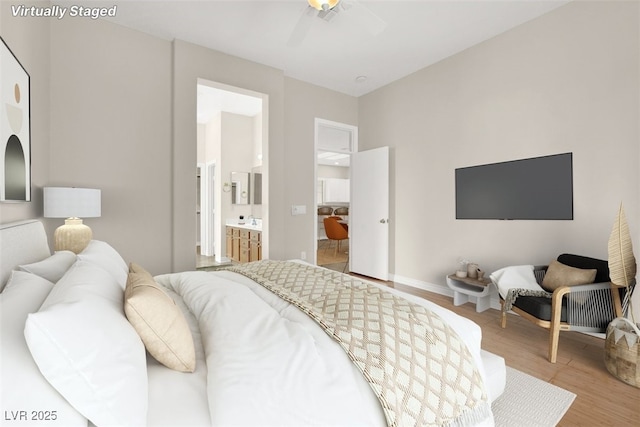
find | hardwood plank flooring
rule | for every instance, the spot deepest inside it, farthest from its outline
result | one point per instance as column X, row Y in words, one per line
column 602, row 400
column 326, row 254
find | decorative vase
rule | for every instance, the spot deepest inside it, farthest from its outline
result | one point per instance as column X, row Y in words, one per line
column 622, row 351
column 472, row 270
column 622, row 345
column 461, row 274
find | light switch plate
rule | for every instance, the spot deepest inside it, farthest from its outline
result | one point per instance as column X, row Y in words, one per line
column 298, row 209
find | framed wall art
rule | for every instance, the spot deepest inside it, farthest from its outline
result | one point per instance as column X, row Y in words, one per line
column 15, row 128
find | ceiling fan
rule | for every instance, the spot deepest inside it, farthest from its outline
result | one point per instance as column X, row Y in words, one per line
column 328, row 10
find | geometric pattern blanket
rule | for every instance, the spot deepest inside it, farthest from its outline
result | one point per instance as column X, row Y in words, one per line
column 420, row 370
column 514, row 293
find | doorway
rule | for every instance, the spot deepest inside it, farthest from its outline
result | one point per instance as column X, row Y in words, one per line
column 334, row 144
column 232, row 141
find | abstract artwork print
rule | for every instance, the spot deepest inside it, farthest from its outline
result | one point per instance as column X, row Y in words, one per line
column 15, row 129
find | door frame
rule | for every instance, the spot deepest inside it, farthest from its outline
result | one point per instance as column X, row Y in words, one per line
column 207, row 209
column 218, row 178
column 318, row 123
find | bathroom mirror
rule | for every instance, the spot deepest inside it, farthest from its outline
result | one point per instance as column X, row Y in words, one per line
column 240, row 188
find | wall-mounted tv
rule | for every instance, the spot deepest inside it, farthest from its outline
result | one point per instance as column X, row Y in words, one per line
column 536, row 188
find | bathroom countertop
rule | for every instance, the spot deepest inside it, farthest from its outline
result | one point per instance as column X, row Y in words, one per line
column 247, row 225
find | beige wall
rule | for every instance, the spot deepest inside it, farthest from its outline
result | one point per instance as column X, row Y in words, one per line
column 115, row 109
column 20, row 34
column 326, row 171
column 122, row 112
column 237, row 156
column 568, row 81
column 190, row 63
column 303, row 103
column 110, row 129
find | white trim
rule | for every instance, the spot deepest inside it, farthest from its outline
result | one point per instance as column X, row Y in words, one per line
column 265, row 235
column 354, row 149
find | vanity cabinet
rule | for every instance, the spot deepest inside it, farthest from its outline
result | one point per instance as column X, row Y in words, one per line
column 255, row 245
column 233, row 243
column 244, row 245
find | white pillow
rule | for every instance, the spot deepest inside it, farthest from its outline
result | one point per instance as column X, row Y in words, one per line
column 23, row 388
column 104, row 255
column 52, row 268
column 86, row 348
column 518, row 276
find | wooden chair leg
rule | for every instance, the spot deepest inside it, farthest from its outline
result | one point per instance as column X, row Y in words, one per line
column 554, row 336
column 554, row 327
column 503, row 320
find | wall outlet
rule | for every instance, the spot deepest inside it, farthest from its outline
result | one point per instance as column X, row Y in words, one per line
column 303, row 255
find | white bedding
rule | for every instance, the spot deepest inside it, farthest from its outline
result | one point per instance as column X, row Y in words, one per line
column 270, row 364
column 261, row 361
column 178, row 398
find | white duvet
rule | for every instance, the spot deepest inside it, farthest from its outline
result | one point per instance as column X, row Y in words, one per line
column 262, row 362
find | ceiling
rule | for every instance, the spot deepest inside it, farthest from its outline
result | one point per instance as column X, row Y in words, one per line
column 213, row 100
column 415, row 34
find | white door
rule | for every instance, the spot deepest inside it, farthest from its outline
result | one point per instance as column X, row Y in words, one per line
column 369, row 213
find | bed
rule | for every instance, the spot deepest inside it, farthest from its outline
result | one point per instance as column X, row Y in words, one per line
column 90, row 339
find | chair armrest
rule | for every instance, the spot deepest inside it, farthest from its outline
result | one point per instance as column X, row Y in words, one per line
column 590, row 308
column 560, row 292
column 587, row 287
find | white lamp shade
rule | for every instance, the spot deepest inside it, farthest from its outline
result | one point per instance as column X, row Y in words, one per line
column 71, row 202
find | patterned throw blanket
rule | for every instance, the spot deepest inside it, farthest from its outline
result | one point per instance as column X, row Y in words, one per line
column 514, row 293
column 418, row 367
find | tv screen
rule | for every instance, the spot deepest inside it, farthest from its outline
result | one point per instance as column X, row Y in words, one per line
column 536, row 188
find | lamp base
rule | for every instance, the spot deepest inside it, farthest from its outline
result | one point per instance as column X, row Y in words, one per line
column 73, row 236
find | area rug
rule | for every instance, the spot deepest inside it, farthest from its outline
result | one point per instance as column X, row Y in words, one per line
column 530, row 402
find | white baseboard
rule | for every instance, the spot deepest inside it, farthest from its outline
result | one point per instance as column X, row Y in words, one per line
column 419, row 284
column 436, row 289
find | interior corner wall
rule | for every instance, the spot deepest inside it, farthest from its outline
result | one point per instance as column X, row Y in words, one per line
column 111, row 129
column 27, row 38
column 303, row 104
column 567, row 81
column 237, row 156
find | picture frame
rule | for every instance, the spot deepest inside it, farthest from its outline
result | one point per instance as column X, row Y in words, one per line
column 15, row 128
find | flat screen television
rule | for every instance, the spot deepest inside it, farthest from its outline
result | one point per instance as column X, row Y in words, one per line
column 539, row 188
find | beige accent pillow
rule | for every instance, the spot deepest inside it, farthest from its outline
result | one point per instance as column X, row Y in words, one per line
column 137, row 268
column 559, row 274
column 158, row 321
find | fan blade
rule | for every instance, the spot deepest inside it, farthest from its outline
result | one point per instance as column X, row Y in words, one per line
column 302, row 27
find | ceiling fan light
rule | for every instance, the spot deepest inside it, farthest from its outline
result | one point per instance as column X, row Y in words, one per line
column 323, row 4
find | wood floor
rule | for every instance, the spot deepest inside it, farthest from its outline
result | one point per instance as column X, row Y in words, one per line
column 602, row 400
column 326, row 254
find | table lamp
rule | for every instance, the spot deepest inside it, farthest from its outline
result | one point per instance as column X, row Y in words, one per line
column 71, row 203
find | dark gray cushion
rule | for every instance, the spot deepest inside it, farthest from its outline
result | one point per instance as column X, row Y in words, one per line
column 540, row 307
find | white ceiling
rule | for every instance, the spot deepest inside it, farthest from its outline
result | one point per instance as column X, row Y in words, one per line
column 417, row 33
